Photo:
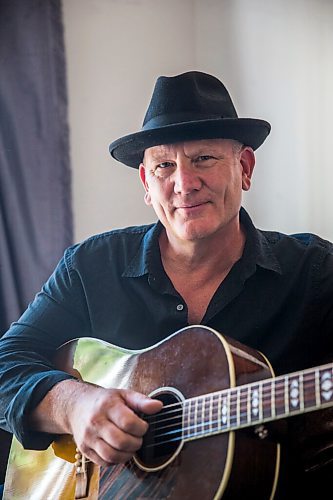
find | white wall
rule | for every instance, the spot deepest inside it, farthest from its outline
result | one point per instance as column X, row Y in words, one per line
column 275, row 57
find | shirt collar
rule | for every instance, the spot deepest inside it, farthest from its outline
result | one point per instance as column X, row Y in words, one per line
column 258, row 247
column 148, row 258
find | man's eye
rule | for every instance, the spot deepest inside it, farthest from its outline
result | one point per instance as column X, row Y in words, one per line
column 164, row 164
column 204, row 158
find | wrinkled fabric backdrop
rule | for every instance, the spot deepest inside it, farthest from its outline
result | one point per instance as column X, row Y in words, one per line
column 35, row 193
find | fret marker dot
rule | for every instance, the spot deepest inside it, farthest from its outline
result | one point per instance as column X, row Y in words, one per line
column 326, row 385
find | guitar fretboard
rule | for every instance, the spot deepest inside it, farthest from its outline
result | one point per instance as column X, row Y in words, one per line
column 258, row 402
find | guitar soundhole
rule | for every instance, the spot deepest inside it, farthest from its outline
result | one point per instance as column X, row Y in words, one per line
column 164, row 434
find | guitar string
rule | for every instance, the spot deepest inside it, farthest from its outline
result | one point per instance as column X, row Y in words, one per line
column 203, row 432
column 237, row 418
column 234, row 395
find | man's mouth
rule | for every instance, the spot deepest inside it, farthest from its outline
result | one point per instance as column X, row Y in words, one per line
column 192, row 205
column 191, row 208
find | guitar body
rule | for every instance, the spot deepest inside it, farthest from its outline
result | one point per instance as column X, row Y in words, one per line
column 192, row 362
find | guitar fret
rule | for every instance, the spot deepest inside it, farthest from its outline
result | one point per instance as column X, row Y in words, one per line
column 260, row 400
column 232, row 404
column 195, row 421
column 206, row 421
column 248, row 404
column 273, row 405
column 286, row 394
column 201, row 415
column 228, row 410
column 197, row 416
column 186, row 418
column 188, row 429
column 267, row 397
column 237, row 394
column 279, row 391
column 183, row 427
column 211, row 427
column 213, row 410
column 190, row 424
column 317, row 382
column 301, row 391
column 205, row 414
column 219, row 412
column 243, row 405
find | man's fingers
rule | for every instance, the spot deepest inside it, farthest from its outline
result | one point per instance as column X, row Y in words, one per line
column 119, row 440
column 94, row 457
column 141, row 403
column 125, row 415
column 125, row 419
column 105, row 456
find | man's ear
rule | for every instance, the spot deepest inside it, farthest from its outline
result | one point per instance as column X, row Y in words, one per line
column 247, row 160
column 142, row 173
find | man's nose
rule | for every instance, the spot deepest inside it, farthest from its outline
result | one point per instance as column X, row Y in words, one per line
column 186, row 179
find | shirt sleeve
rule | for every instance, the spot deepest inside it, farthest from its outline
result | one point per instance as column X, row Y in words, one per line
column 57, row 314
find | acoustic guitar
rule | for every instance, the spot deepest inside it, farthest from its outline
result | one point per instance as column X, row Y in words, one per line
column 210, row 440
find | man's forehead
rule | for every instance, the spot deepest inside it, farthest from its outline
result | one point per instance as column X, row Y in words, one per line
column 187, row 146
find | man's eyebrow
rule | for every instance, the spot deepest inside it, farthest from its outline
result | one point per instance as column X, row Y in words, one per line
column 159, row 155
column 208, row 149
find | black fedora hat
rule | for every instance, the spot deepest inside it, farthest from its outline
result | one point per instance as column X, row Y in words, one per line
column 190, row 106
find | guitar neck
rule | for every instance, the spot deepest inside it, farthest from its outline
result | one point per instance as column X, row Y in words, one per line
column 258, row 402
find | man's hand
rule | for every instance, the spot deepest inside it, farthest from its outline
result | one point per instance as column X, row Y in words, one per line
column 104, row 422
column 105, row 425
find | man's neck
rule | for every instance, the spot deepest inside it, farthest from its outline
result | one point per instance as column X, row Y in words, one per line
column 212, row 255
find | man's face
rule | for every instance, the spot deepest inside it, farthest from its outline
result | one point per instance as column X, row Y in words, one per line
column 196, row 187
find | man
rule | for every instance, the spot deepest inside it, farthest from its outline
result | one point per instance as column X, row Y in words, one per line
column 202, row 263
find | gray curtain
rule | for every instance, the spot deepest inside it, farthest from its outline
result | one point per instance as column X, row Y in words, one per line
column 35, row 200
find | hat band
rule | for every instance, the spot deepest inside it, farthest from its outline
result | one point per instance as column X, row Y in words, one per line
column 174, row 118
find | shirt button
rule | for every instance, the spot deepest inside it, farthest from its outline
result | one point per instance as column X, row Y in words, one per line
column 180, row 307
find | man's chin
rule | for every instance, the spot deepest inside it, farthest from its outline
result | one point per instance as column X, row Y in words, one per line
column 194, row 231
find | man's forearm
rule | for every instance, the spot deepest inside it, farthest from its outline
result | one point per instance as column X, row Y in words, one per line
column 51, row 414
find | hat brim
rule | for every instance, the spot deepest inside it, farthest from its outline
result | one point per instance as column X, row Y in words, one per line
column 249, row 131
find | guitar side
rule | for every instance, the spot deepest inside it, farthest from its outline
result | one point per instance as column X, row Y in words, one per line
column 194, row 361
